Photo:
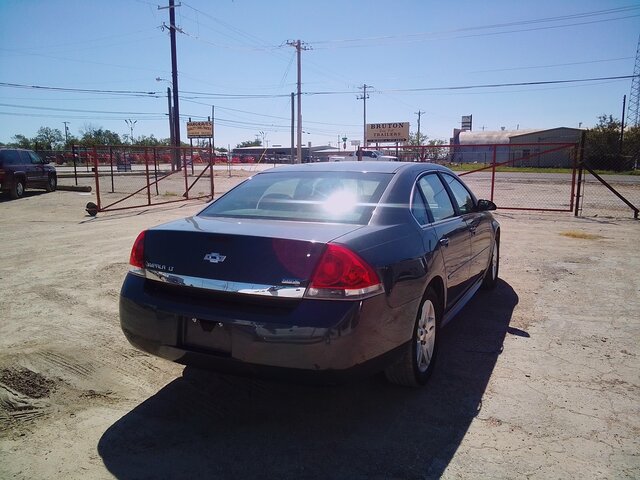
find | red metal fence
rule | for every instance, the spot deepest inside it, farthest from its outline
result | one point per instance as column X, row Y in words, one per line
column 126, row 177
column 540, row 176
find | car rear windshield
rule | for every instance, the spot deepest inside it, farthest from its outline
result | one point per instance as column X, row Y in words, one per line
column 332, row 197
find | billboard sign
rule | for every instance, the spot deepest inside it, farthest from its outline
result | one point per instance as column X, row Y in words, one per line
column 467, row 122
column 199, row 129
column 387, row 132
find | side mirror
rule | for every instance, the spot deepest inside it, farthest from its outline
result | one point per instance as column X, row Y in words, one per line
column 485, row 205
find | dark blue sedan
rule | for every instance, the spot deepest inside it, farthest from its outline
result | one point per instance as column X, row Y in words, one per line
column 321, row 270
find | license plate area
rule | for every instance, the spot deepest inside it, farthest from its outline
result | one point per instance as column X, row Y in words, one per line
column 206, row 334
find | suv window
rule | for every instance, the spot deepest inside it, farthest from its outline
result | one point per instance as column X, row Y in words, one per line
column 437, row 198
column 24, row 157
column 9, row 157
column 35, row 158
column 462, row 196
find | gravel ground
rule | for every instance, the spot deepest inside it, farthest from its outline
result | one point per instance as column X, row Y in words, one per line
column 538, row 378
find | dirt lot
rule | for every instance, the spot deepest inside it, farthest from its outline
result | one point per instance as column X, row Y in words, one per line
column 539, row 378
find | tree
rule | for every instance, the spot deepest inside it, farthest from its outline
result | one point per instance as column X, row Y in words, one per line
column 93, row 136
column 631, row 147
column 250, row 143
column 20, row 141
column 48, row 138
column 430, row 150
column 415, row 140
column 602, row 146
column 436, row 152
column 151, row 141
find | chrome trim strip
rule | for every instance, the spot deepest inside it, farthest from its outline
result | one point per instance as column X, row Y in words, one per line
column 284, row 291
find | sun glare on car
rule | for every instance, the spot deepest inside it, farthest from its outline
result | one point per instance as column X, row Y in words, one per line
column 340, row 202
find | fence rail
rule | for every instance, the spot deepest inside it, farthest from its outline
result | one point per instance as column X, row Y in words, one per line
column 514, row 176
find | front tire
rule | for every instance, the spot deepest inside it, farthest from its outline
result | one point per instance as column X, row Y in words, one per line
column 52, row 183
column 415, row 366
column 17, row 191
column 491, row 275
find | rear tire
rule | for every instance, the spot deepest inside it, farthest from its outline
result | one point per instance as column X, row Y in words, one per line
column 17, row 191
column 52, row 183
column 491, row 275
column 415, row 366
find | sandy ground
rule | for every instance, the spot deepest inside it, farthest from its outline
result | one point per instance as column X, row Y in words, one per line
column 539, row 378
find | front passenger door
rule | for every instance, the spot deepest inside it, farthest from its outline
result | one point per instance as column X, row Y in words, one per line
column 480, row 227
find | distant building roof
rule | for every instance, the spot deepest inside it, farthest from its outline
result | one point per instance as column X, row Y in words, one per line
column 489, row 137
column 506, row 136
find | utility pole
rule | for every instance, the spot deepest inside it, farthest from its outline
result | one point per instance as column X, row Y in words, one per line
column 292, row 124
column 66, row 133
column 624, row 103
column 174, row 80
column 171, row 140
column 419, row 113
column 131, row 123
column 364, row 97
column 299, row 46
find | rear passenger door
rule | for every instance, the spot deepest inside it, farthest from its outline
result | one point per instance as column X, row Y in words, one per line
column 39, row 172
column 452, row 235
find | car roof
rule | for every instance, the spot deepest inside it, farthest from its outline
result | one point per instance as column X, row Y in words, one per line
column 364, row 166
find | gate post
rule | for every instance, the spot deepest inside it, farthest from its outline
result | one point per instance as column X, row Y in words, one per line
column 111, row 168
column 186, row 180
column 146, row 168
column 493, row 170
column 96, row 176
column 211, row 168
column 583, row 138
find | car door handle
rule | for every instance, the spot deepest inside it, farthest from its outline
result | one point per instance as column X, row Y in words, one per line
column 444, row 242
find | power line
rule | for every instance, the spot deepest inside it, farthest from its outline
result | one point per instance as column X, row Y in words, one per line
column 74, row 110
column 514, row 84
column 207, row 95
column 80, row 90
column 422, row 35
column 553, row 65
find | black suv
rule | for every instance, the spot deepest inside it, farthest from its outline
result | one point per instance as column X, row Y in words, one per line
column 20, row 169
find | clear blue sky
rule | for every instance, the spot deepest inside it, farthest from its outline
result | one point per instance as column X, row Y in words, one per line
column 233, row 50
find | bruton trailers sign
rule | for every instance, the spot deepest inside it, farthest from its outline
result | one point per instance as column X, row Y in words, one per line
column 387, row 132
column 199, row 129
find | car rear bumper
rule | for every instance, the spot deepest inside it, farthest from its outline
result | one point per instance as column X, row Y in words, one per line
column 330, row 339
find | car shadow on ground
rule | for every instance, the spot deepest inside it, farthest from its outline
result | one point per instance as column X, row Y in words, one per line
column 5, row 197
column 209, row 425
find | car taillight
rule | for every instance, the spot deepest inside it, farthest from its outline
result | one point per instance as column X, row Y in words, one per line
column 136, row 259
column 342, row 274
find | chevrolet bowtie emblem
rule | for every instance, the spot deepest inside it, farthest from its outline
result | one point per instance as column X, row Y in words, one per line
column 214, row 257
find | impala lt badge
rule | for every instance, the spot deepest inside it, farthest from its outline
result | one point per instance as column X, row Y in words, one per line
column 214, row 257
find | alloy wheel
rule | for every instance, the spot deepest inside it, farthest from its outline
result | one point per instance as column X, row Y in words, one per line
column 425, row 336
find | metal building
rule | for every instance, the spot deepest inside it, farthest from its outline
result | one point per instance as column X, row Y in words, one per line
column 524, row 147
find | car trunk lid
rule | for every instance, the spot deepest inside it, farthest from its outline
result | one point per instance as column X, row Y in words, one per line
column 247, row 256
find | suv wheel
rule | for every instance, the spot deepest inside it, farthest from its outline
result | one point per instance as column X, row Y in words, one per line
column 52, row 183
column 18, row 188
